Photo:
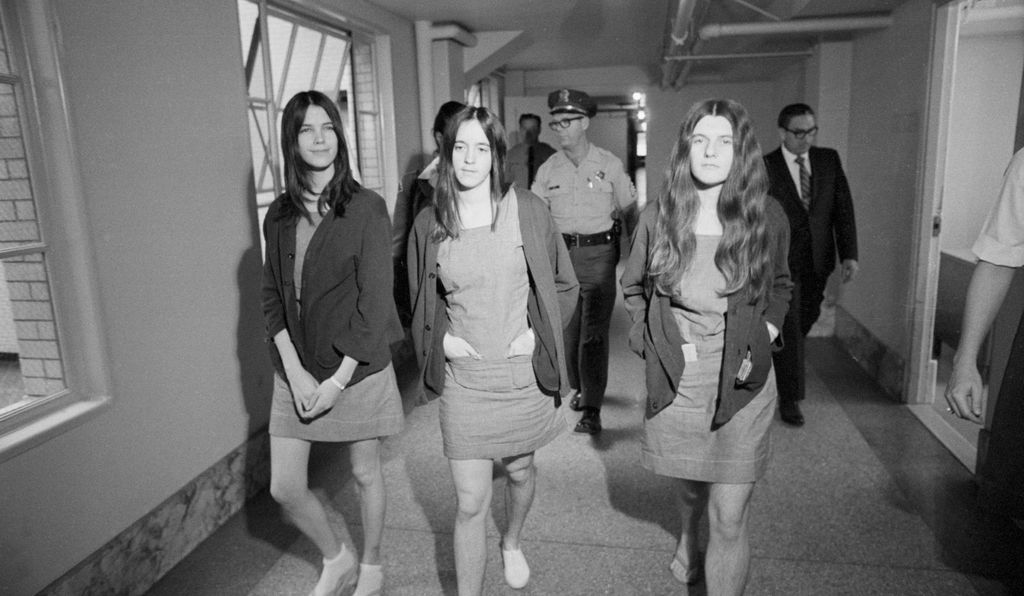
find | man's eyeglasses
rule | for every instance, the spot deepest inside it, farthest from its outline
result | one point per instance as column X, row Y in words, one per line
column 564, row 123
column 800, row 134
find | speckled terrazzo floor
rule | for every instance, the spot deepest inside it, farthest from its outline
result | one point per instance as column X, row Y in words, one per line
column 861, row 500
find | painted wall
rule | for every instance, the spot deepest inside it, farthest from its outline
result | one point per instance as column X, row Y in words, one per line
column 888, row 101
column 158, row 112
column 986, row 91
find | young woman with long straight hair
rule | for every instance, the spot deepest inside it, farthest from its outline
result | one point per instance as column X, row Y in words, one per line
column 707, row 288
column 328, row 303
column 491, row 285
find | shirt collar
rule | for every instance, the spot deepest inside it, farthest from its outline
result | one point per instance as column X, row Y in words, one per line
column 791, row 157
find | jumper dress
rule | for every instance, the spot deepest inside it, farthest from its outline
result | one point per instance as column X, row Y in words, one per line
column 678, row 441
column 371, row 408
column 491, row 408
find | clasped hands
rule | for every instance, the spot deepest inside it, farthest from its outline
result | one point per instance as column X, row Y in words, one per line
column 455, row 347
column 311, row 398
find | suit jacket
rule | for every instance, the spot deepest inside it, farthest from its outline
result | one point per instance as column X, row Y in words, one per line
column 347, row 308
column 554, row 292
column 830, row 217
column 655, row 337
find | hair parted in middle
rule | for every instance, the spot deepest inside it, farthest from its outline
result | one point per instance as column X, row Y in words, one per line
column 297, row 172
column 447, row 192
column 743, row 255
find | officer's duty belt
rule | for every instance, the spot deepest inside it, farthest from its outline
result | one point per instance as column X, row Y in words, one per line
column 572, row 240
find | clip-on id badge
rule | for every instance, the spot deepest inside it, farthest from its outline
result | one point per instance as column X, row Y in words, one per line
column 689, row 352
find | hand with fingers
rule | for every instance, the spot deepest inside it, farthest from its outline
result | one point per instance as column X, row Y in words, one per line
column 964, row 393
column 456, row 348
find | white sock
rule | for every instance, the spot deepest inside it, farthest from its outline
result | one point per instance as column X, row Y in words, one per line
column 371, row 580
column 334, row 572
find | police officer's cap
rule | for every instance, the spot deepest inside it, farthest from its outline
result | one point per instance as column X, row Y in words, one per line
column 571, row 101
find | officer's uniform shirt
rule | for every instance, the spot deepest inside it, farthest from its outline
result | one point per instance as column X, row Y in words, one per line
column 584, row 199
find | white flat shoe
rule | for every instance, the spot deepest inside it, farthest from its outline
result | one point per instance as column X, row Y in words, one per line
column 517, row 571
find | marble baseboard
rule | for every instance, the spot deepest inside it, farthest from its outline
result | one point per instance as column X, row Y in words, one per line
column 139, row 556
column 881, row 363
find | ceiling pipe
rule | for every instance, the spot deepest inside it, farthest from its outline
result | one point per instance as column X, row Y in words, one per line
column 679, row 37
column 831, row 25
column 738, row 56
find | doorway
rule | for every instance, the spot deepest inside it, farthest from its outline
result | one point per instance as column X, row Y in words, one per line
column 978, row 63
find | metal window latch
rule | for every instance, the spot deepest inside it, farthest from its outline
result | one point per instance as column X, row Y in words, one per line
column 936, row 225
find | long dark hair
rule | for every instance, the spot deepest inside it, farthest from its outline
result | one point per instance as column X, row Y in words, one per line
column 337, row 193
column 447, row 192
column 743, row 255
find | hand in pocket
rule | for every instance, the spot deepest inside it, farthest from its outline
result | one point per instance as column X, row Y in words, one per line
column 456, row 347
column 522, row 345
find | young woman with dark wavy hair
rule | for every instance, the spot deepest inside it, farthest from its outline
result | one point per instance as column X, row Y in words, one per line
column 707, row 288
column 327, row 300
column 491, row 285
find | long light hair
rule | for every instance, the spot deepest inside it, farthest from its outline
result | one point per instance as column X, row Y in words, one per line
column 743, row 255
column 447, row 192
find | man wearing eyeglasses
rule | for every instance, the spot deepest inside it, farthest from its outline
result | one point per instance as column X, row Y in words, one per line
column 591, row 199
column 810, row 184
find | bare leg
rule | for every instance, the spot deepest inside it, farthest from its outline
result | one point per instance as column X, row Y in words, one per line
column 472, row 479
column 289, row 486
column 693, row 500
column 519, row 491
column 369, row 477
column 728, row 556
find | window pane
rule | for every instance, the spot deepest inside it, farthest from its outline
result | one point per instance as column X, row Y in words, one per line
column 331, row 64
column 30, row 362
column 5, row 67
column 304, row 59
column 17, row 210
column 248, row 13
column 280, row 42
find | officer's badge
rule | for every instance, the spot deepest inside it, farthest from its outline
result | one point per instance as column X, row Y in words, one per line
column 599, row 175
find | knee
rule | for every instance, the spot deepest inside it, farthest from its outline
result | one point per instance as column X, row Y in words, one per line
column 521, row 475
column 472, row 504
column 367, row 472
column 728, row 524
column 286, row 491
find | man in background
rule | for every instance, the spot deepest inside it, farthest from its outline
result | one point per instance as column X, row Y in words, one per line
column 526, row 157
column 810, row 183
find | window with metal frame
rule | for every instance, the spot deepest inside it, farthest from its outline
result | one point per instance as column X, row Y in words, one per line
column 283, row 53
column 31, row 364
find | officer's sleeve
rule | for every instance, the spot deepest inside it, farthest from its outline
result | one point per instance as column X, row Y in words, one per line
column 540, row 182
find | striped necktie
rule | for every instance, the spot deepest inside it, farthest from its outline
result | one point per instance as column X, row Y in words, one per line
column 805, row 182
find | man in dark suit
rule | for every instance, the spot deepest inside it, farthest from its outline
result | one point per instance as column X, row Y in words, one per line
column 810, row 184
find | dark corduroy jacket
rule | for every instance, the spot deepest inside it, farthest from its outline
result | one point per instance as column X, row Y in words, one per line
column 553, row 295
column 348, row 307
column 655, row 337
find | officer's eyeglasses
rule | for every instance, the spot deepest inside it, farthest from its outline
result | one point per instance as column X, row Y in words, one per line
column 800, row 134
column 563, row 124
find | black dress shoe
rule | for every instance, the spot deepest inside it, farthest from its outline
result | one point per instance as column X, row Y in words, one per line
column 790, row 413
column 574, row 403
column 590, row 423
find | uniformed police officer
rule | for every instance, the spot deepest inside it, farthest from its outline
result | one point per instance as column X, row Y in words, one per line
column 592, row 200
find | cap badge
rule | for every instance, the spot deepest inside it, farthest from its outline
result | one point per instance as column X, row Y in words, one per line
column 563, row 96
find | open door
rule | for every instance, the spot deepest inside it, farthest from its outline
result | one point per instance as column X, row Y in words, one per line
column 974, row 110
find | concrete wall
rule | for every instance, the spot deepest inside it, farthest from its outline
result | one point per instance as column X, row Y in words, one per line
column 157, row 103
column 888, row 102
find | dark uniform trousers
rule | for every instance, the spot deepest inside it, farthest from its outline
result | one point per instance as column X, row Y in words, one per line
column 586, row 335
column 789, row 361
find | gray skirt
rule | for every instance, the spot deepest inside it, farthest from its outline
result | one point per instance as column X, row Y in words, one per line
column 679, row 442
column 371, row 408
column 494, row 409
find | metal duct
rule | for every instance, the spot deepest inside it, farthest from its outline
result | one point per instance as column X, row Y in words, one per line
column 830, row 25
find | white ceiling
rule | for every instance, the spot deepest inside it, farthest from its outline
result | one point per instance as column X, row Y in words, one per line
column 564, row 34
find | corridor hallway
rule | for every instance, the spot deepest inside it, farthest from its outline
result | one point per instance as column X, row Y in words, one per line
column 861, row 500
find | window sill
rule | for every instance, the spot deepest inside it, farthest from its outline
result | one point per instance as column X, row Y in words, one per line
column 49, row 425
